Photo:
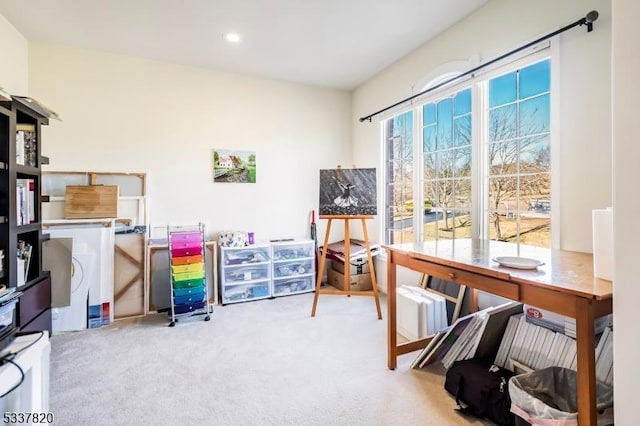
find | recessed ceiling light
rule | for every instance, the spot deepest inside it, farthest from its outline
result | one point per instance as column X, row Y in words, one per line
column 232, row 37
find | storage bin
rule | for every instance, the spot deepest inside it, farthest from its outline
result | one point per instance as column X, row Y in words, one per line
column 7, row 313
column 549, row 397
column 188, row 290
column 195, row 282
column 292, row 268
column 186, row 260
column 292, row 285
column 189, row 267
column 189, row 298
column 183, row 309
column 185, row 244
column 188, row 251
column 186, row 236
column 188, row 276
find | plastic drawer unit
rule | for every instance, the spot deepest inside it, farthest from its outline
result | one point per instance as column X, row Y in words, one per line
column 293, row 267
column 245, row 273
column 189, row 295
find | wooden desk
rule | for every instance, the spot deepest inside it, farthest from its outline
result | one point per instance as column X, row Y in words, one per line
column 564, row 284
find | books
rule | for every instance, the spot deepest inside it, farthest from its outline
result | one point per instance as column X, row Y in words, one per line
column 24, row 251
column 25, row 201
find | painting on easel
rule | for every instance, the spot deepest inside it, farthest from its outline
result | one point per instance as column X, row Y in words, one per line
column 348, row 192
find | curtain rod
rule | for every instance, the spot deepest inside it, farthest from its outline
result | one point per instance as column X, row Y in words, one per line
column 587, row 20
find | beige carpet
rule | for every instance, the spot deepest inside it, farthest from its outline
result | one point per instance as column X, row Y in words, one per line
column 266, row 362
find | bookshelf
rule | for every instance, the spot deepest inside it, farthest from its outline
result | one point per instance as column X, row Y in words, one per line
column 20, row 216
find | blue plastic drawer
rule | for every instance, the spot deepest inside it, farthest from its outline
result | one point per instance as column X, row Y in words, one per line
column 188, row 290
column 189, row 298
column 183, row 309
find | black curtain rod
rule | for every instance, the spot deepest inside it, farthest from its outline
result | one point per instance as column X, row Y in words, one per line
column 587, row 20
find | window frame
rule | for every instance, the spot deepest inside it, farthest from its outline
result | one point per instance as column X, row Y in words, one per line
column 479, row 134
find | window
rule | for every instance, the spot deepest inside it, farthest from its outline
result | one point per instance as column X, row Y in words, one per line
column 446, row 141
column 398, row 135
column 502, row 122
column 519, row 177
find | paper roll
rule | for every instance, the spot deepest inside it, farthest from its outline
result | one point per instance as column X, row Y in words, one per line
column 603, row 243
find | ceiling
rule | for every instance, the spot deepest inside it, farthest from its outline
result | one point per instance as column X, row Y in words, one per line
column 331, row 43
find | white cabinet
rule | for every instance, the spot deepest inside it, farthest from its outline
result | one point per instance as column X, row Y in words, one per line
column 245, row 273
column 293, row 267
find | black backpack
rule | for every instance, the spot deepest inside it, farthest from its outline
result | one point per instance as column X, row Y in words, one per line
column 481, row 389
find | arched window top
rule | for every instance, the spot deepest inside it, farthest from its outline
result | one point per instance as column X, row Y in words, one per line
column 446, row 72
column 441, row 78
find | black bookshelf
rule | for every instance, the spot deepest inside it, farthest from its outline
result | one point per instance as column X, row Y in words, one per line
column 20, row 213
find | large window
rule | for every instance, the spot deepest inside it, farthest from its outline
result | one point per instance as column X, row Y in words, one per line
column 519, row 154
column 502, row 122
column 399, row 172
column 446, row 141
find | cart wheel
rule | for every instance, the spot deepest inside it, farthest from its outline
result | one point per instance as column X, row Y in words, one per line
column 207, row 318
column 171, row 324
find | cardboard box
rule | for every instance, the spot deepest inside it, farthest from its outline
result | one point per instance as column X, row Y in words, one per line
column 358, row 266
column 359, row 282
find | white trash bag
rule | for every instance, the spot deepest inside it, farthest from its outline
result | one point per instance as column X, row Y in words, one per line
column 549, row 397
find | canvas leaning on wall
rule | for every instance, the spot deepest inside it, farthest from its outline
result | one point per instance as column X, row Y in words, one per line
column 233, row 166
column 349, row 192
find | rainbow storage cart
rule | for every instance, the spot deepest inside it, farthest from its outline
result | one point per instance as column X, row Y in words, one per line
column 189, row 295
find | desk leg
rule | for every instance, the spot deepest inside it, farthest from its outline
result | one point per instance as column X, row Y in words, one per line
column 392, row 337
column 585, row 343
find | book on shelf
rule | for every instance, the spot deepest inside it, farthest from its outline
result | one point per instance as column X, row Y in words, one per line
column 24, row 252
column 26, row 144
column 22, row 202
column 20, row 145
column 31, row 205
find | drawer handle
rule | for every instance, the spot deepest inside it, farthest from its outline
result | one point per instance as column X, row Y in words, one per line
column 452, row 275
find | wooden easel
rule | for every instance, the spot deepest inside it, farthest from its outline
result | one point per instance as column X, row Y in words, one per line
column 347, row 257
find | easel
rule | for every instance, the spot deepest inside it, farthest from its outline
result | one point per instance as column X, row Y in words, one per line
column 347, row 264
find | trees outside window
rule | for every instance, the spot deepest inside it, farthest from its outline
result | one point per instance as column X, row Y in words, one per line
column 513, row 135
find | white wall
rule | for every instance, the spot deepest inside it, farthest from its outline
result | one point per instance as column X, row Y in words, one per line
column 626, row 175
column 13, row 60
column 126, row 114
column 584, row 125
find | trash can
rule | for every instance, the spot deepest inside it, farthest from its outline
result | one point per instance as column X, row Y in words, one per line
column 549, row 396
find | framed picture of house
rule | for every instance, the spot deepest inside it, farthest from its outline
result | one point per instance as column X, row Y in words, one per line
column 348, row 192
column 234, row 166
